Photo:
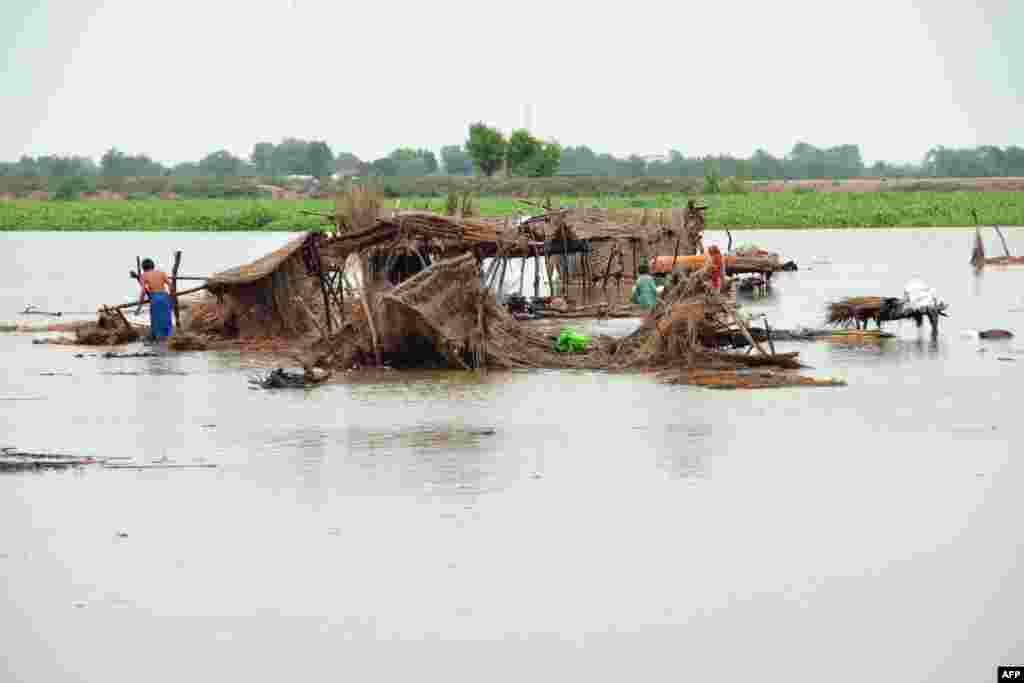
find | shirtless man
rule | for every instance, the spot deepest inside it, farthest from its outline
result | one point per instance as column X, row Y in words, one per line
column 156, row 284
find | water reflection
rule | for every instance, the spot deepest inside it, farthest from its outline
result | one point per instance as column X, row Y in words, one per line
column 447, row 460
column 689, row 451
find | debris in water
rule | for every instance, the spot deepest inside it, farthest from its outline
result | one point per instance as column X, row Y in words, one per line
column 283, row 379
column 13, row 459
column 115, row 354
column 170, row 466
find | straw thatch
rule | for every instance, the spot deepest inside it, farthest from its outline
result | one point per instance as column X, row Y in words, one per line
column 258, row 299
column 855, row 310
column 448, row 309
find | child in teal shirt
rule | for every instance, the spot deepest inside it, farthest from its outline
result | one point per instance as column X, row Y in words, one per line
column 645, row 293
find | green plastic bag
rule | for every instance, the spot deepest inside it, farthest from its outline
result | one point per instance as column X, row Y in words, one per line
column 571, row 341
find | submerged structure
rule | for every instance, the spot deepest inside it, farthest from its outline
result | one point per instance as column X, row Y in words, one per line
column 415, row 288
column 919, row 302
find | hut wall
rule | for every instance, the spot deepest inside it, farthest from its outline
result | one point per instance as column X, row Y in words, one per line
column 267, row 306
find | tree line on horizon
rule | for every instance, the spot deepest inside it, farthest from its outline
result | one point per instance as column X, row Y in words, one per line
column 487, row 152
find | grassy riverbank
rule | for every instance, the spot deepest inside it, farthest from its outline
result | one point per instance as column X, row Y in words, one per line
column 736, row 211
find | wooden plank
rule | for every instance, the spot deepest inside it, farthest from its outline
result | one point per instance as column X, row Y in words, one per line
column 174, row 290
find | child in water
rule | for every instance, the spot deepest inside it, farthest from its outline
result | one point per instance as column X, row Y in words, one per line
column 156, row 284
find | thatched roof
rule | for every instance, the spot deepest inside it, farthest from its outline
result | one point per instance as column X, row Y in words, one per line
column 258, row 269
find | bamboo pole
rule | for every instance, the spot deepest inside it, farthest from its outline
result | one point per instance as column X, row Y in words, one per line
column 999, row 232
column 327, row 303
column 369, row 310
column 136, row 303
column 138, row 277
column 742, row 326
column 536, row 273
column 501, row 278
column 174, row 290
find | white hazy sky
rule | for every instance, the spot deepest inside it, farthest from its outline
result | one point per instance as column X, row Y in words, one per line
column 177, row 80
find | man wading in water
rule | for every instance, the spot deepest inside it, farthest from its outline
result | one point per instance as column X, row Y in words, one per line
column 155, row 283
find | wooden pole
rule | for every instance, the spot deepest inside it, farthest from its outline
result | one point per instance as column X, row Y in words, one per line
column 181, row 293
column 768, row 331
column 501, row 278
column 675, row 255
column 174, row 290
column 742, row 326
column 999, row 232
column 368, row 308
column 138, row 277
column 327, row 303
column 536, row 273
column 978, row 253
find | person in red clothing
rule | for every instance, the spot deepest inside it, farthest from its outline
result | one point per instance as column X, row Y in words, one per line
column 715, row 268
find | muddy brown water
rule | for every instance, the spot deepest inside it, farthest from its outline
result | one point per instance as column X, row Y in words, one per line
column 521, row 525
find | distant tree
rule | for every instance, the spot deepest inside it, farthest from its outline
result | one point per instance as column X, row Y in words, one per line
column 429, row 161
column 291, row 157
column 455, row 160
column 187, row 169
column 262, row 158
column 115, row 163
column 520, row 150
column 112, row 162
column 321, row 158
column 486, row 147
column 528, row 156
column 221, row 164
column 764, row 166
column 637, row 166
column 71, row 188
column 712, row 176
column 386, row 166
column 550, row 160
column 414, row 162
column 350, row 164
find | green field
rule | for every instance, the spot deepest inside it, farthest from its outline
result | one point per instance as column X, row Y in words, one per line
column 737, row 211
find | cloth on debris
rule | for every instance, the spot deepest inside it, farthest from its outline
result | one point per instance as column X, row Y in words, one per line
column 918, row 296
column 571, row 341
column 160, row 315
column 645, row 293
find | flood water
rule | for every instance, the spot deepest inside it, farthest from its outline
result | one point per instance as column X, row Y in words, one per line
column 519, row 525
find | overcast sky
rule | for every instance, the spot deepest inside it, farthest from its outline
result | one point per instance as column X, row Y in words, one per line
column 177, row 80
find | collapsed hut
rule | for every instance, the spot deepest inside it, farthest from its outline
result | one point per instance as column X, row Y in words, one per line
column 274, row 295
column 415, row 288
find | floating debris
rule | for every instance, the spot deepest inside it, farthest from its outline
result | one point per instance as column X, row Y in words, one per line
column 13, row 459
column 115, row 354
column 283, row 379
column 158, row 466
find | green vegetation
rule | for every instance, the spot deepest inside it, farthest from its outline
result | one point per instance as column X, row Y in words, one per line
column 486, row 147
column 749, row 210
